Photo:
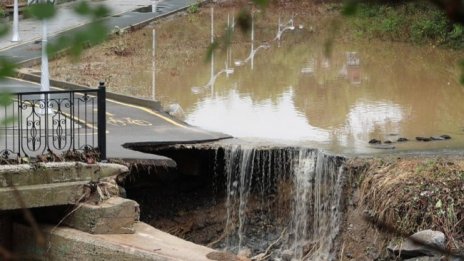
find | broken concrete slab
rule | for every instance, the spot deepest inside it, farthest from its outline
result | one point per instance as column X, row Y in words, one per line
column 147, row 243
column 41, row 195
column 56, row 172
column 49, row 184
column 113, row 216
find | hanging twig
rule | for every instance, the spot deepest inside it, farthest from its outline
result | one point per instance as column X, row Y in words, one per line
column 263, row 256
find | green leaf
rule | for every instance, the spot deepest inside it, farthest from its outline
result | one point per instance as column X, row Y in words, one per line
column 7, row 121
column 83, row 8
column 100, row 12
column 4, row 29
column 5, row 98
column 439, row 204
column 7, row 68
column 261, row 3
column 41, row 11
column 209, row 53
column 461, row 79
column 350, row 7
column 96, row 33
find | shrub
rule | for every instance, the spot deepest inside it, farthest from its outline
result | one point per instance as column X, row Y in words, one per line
column 416, row 22
column 193, row 9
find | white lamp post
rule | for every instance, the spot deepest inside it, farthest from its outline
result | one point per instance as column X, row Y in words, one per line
column 212, row 41
column 154, row 65
column 15, row 37
column 44, row 76
column 281, row 28
column 44, row 79
column 252, row 40
column 229, row 70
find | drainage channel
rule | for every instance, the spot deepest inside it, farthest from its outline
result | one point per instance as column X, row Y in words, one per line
column 259, row 201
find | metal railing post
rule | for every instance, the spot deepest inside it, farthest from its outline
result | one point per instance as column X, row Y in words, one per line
column 101, row 104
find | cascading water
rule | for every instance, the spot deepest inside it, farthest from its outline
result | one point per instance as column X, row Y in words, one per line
column 283, row 200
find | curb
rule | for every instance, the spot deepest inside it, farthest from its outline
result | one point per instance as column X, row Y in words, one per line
column 154, row 105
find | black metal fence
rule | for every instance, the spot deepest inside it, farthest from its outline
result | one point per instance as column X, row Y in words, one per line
column 54, row 122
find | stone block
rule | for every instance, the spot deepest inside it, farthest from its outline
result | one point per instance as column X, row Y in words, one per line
column 113, row 216
column 422, row 243
column 147, row 244
column 50, row 184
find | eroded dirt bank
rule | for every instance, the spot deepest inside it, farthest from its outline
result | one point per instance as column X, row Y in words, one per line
column 391, row 198
column 383, row 200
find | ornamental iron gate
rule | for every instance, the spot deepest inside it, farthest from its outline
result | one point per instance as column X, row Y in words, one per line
column 38, row 123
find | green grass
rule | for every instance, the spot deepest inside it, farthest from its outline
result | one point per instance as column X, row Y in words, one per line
column 193, row 9
column 420, row 23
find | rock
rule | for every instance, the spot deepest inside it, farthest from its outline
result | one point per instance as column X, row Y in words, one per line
column 402, row 139
column 244, row 252
column 411, row 247
column 446, row 137
column 375, row 141
column 175, row 110
column 113, row 216
column 423, row 139
column 388, row 142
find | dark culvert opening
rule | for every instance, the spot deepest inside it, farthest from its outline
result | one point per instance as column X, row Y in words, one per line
column 267, row 200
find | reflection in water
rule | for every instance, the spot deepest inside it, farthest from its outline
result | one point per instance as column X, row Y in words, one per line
column 351, row 70
column 367, row 118
column 227, row 70
column 362, row 91
column 281, row 28
column 245, row 118
column 253, row 51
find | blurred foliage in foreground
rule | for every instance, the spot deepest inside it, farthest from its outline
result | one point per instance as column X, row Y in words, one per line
column 93, row 33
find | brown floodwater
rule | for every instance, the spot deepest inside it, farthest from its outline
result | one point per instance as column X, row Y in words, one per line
column 295, row 94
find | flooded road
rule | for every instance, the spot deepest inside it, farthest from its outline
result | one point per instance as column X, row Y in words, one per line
column 294, row 94
column 363, row 91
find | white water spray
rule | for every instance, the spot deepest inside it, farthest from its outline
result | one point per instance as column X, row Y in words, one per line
column 309, row 210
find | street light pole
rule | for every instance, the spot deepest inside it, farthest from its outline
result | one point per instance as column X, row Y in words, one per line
column 212, row 51
column 252, row 40
column 44, row 79
column 44, row 75
column 15, row 37
column 153, row 65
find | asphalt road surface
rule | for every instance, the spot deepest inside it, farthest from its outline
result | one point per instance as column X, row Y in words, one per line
column 127, row 123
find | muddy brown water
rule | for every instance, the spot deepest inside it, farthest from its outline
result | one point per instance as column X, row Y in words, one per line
column 293, row 93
